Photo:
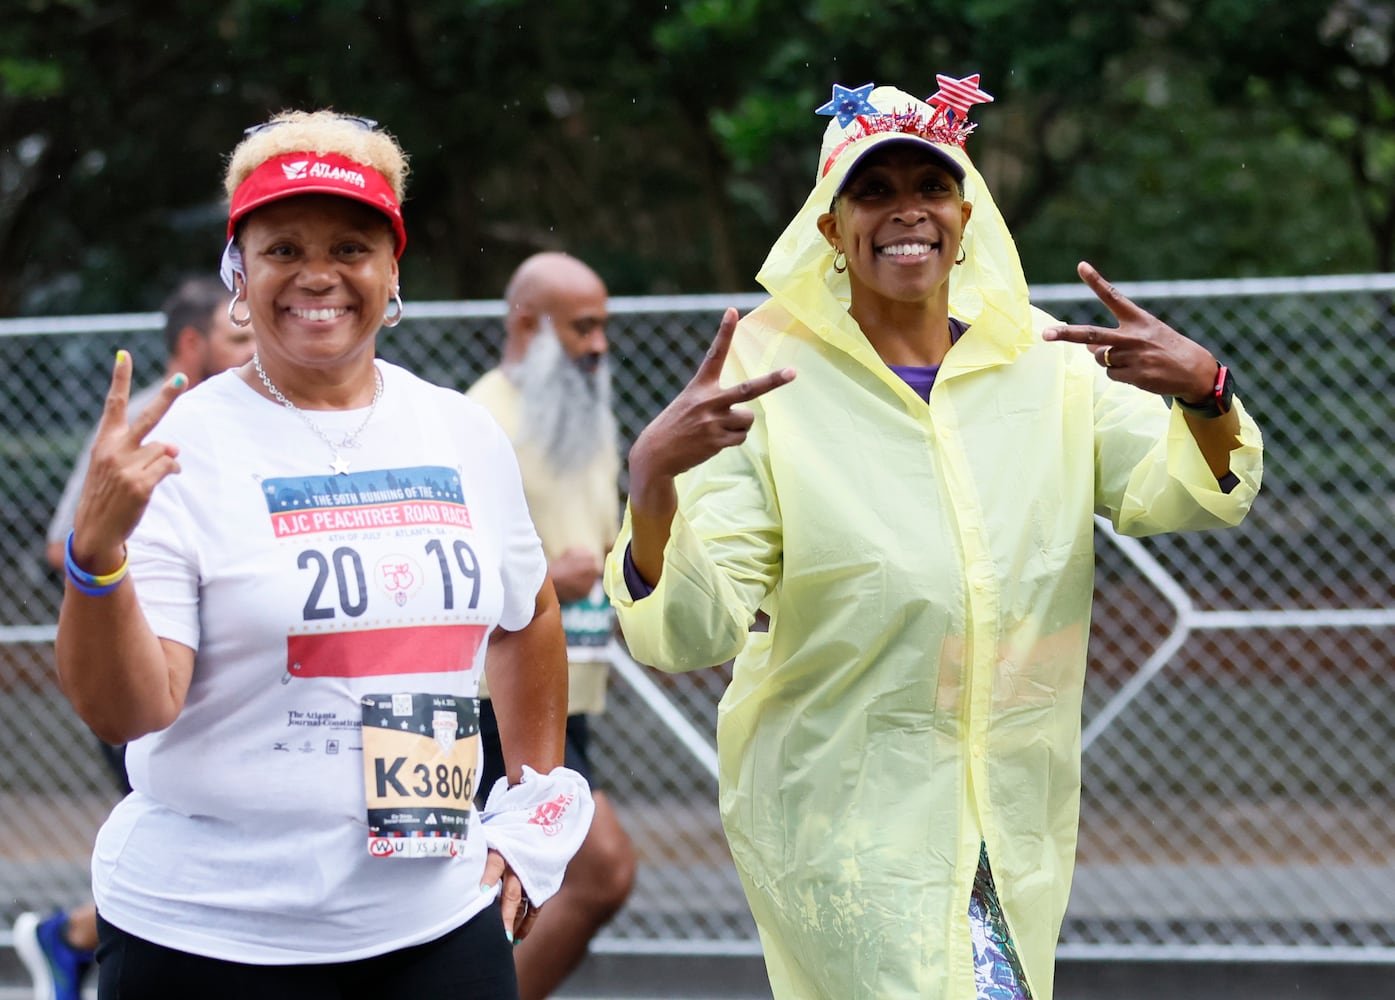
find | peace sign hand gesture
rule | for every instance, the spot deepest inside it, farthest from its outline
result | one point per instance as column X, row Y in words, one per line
column 1142, row 350
column 123, row 473
column 703, row 419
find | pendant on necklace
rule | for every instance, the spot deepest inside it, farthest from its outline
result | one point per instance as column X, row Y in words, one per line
column 340, row 465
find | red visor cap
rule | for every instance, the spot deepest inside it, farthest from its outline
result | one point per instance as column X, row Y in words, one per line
column 292, row 174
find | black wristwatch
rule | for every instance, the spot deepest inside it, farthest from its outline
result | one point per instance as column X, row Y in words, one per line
column 1218, row 403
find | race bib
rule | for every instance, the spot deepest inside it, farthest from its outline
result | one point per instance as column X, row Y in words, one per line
column 589, row 621
column 419, row 757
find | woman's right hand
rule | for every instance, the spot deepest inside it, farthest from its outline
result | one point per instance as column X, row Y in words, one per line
column 123, row 472
column 703, row 419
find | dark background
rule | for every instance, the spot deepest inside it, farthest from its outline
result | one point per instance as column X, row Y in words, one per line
column 668, row 144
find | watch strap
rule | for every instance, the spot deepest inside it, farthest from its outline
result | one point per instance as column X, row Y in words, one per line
column 1218, row 402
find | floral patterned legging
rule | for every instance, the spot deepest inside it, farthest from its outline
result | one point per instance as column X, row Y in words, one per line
column 997, row 969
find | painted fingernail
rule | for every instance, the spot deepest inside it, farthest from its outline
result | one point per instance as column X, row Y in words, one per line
column 509, row 934
column 180, row 380
column 122, row 357
column 516, row 942
column 486, row 889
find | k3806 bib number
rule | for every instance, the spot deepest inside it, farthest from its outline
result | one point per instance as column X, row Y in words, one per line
column 419, row 757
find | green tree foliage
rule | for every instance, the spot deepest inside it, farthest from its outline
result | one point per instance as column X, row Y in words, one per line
column 668, row 143
column 1328, row 67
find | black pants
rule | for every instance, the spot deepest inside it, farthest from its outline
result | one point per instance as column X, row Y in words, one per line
column 577, row 755
column 472, row 962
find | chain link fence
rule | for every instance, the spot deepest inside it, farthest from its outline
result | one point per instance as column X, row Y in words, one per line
column 1239, row 709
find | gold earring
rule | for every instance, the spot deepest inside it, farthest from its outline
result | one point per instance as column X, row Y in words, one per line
column 843, row 267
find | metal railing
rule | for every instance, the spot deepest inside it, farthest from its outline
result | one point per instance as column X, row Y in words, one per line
column 1239, row 777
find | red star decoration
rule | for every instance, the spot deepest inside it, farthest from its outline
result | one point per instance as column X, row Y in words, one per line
column 958, row 95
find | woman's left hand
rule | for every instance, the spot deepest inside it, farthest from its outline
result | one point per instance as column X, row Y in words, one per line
column 519, row 914
column 1142, row 350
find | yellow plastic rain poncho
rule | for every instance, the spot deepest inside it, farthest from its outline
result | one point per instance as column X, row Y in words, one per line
column 928, row 574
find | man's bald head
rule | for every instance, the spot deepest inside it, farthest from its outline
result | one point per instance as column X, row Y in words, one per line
column 560, row 288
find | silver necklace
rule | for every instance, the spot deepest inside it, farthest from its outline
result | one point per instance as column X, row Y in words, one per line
column 340, row 465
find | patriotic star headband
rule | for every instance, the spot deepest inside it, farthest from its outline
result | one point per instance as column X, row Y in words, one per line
column 940, row 120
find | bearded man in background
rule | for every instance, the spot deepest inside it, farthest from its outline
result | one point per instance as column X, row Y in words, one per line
column 551, row 394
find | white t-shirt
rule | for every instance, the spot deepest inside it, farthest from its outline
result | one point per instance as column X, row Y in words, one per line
column 302, row 591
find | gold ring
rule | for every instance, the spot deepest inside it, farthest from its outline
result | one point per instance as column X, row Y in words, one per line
column 1105, row 356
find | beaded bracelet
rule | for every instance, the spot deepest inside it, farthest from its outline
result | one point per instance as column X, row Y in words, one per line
column 91, row 583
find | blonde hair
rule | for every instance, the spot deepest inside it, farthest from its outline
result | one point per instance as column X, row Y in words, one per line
column 320, row 132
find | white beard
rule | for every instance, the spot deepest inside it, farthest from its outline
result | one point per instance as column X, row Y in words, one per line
column 566, row 411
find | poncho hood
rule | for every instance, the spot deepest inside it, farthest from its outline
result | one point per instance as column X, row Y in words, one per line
column 988, row 291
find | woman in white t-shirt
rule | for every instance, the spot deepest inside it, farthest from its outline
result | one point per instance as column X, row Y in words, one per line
column 283, row 605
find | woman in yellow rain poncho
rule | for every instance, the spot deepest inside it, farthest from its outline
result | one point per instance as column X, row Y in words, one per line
column 914, row 515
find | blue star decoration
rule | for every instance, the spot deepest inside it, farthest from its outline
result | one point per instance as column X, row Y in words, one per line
column 849, row 102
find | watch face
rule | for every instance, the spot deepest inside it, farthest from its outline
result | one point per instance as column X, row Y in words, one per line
column 1226, row 389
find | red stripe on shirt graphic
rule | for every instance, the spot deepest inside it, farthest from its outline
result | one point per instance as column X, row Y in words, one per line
column 419, row 649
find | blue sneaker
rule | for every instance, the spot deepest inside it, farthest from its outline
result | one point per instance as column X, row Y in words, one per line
column 55, row 966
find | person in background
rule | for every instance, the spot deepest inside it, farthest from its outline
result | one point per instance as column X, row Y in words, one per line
column 551, row 394
column 899, row 459
column 200, row 341
column 283, row 604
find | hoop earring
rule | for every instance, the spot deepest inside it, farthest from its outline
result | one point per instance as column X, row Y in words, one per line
column 843, row 267
column 963, row 254
column 392, row 315
column 232, row 313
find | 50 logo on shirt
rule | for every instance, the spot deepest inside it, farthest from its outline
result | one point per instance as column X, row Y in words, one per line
column 399, row 575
